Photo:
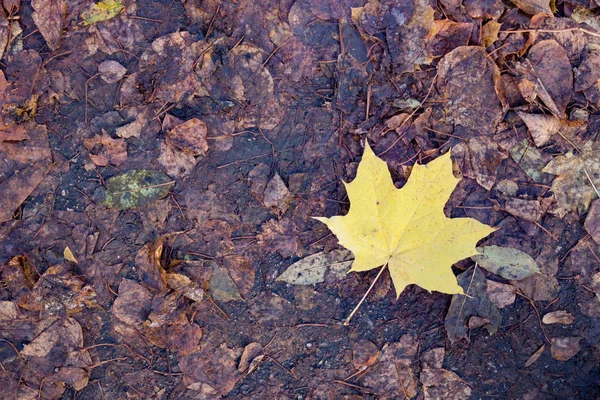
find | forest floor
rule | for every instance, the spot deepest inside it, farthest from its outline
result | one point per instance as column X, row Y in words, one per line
column 161, row 162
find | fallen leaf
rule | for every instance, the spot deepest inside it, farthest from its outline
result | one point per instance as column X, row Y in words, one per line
column 68, row 255
column 393, row 374
column 574, row 187
column 547, row 74
column 189, row 137
column 500, row 294
column 101, row 11
column 48, row 16
column 541, row 126
column 509, row 263
column 535, row 356
column 592, row 221
column 489, row 33
column 564, row 348
column 531, row 160
column 465, row 76
column 279, row 236
column 406, row 228
column 252, row 355
column 533, row 7
column 111, row 71
column 558, row 317
column 443, row 384
column 433, row 358
column 185, row 286
column 222, row 287
column 474, row 303
column 364, row 354
column 133, row 304
column 317, row 267
column 105, row 150
column 133, row 189
column 276, row 193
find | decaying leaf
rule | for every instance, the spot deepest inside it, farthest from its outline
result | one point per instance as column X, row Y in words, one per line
column 474, row 304
column 530, row 159
column 443, row 384
column 317, row 267
column 541, row 126
column 509, row 263
column 592, row 221
column 406, row 228
column 48, row 17
column 577, row 181
column 134, row 188
column 533, row 7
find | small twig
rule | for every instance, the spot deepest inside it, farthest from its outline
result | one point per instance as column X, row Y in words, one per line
column 552, row 31
column 347, row 321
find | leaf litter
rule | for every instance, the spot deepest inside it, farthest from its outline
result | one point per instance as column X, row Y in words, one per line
column 253, row 113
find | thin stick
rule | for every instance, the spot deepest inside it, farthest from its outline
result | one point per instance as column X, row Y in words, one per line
column 347, row 321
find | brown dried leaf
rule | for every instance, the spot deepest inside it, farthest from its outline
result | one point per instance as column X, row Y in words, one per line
column 558, row 317
column 276, row 193
column 105, row 150
column 541, row 126
column 279, row 236
column 48, row 16
column 500, row 294
column 133, row 304
column 535, row 356
column 185, row 286
column 189, row 137
column 465, row 76
column 252, row 356
column 564, row 348
column 533, row 7
column 592, row 221
column 111, row 71
column 443, row 384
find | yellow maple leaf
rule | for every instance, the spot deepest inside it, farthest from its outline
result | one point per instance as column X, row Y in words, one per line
column 406, row 229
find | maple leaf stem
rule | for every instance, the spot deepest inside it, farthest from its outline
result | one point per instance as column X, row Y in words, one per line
column 347, row 321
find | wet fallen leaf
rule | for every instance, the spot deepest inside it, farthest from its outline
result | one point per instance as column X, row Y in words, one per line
column 279, row 236
column 393, row 374
column 577, row 181
column 500, row 294
column 364, row 354
column 509, row 263
column 111, row 71
column 474, row 303
column 548, row 75
column 135, row 188
column 443, row 384
column 541, row 126
column 592, row 221
column 105, row 150
column 564, row 348
column 558, row 317
column 410, row 232
column 318, row 267
column 101, row 11
column 465, row 76
column 531, row 160
column 433, row 358
column 133, row 304
column 489, row 33
column 533, row 7
column 276, row 193
column 222, row 287
column 185, row 286
column 48, row 17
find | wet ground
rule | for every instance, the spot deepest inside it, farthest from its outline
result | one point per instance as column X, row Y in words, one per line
column 245, row 118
